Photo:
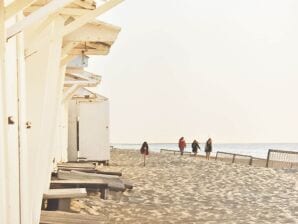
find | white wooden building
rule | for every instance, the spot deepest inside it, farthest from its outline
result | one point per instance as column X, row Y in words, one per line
column 37, row 39
column 88, row 135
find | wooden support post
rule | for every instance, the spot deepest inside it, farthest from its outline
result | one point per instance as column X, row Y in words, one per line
column 233, row 158
column 268, row 158
column 69, row 92
column 22, row 129
column 3, row 120
column 36, row 16
column 250, row 161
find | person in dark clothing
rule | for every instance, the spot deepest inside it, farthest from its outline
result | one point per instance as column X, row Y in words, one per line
column 208, row 148
column 195, row 146
column 145, row 148
column 181, row 145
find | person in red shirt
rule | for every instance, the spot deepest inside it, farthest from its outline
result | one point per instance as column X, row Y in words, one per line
column 182, row 145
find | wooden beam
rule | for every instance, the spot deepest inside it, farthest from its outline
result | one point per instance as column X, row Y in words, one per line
column 85, row 4
column 89, row 16
column 69, row 92
column 67, row 59
column 63, row 11
column 68, row 47
column 81, row 83
column 95, row 32
column 65, row 193
column 32, row 38
column 78, row 51
column 36, row 16
column 77, row 76
column 16, row 6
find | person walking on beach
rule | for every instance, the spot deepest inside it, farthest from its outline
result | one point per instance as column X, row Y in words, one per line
column 208, row 148
column 145, row 148
column 145, row 151
column 182, row 145
column 195, row 146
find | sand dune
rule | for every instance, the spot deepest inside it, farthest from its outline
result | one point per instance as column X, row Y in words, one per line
column 175, row 189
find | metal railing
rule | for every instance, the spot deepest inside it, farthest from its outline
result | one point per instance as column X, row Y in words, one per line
column 275, row 158
column 282, row 159
column 234, row 158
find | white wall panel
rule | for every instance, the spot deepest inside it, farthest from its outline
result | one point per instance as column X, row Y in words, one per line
column 43, row 88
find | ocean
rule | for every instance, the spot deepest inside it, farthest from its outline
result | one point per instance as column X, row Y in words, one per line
column 258, row 150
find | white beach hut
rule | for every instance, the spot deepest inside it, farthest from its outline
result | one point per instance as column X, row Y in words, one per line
column 88, row 135
column 37, row 40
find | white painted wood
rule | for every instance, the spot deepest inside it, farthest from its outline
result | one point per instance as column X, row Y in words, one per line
column 36, row 16
column 95, row 31
column 72, row 131
column 12, row 155
column 69, row 92
column 79, row 22
column 43, row 81
column 16, row 6
column 67, row 59
column 94, row 130
column 3, row 120
column 23, row 149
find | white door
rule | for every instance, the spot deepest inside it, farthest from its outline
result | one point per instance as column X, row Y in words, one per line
column 94, row 130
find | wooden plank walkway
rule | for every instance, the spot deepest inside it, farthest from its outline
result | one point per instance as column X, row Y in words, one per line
column 65, row 193
column 114, row 182
column 58, row 217
column 94, row 184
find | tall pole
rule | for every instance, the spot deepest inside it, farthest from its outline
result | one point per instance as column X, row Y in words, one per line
column 25, row 205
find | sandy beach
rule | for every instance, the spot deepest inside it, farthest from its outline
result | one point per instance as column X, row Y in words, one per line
column 175, row 189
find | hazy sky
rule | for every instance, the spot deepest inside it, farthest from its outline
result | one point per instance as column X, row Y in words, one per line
column 227, row 69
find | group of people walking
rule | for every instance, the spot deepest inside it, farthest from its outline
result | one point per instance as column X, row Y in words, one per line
column 195, row 146
column 182, row 145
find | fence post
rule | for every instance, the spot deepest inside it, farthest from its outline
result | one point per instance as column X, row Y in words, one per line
column 268, row 157
column 233, row 158
column 216, row 156
column 250, row 161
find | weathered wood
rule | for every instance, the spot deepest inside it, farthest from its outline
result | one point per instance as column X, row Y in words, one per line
column 88, row 170
column 65, row 193
column 128, row 184
column 79, row 22
column 59, row 199
column 85, row 5
column 114, row 182
column 95, row 31
column 109, row 172
column 77, row 165
column 89, row 184
column 58, row 217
